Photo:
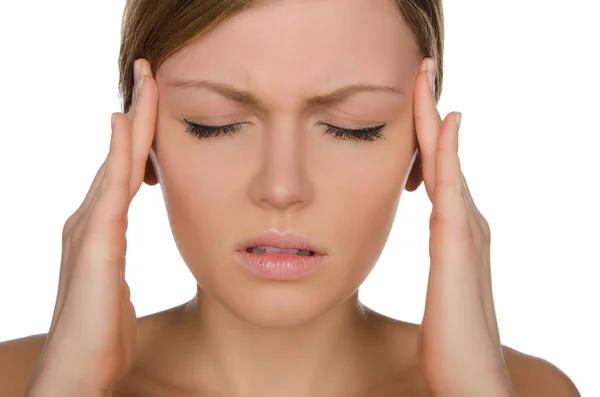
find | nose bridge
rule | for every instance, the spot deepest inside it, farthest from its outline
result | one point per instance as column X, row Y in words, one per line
column 281, row 180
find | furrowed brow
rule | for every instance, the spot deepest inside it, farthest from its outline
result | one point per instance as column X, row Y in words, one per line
column 246, row 98
column 226, row 90
column 343, row 93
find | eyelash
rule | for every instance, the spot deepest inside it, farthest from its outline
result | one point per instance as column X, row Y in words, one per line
column 370, row 134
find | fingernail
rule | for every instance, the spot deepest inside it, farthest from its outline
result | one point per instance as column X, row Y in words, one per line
column 137, row 75
column 431, row 71
column 112, row 121
column 458, row 119
column 136, row 71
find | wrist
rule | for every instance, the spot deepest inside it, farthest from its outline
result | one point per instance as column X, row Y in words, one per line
column 54, row 381
column 48, row 386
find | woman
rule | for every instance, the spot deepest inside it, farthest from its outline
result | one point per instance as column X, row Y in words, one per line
column 282, row 134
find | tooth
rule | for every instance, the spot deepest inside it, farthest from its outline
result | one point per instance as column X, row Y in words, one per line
column 277, row 250
column 266, row 249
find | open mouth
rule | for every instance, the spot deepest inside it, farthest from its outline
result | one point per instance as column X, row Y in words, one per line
column 273, row 250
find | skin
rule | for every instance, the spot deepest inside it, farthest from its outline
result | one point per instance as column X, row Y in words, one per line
column 283, row 171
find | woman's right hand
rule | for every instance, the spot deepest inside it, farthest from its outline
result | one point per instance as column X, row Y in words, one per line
column 90, row 344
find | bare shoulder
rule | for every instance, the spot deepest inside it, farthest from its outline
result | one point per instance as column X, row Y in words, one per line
column 531, row 376
column 18, row 358
column 535, row 377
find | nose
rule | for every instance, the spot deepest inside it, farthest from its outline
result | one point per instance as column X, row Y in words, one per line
column 282, row 181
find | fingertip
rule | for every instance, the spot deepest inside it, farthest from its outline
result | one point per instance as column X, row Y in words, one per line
column 113, row 123
column 427, row 64
column 144, row 67
column 446, row 128
column 137, row 68
column 424, row 90
column 115, row 119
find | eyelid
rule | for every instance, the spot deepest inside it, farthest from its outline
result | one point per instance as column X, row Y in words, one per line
column 353, row 129
column 212, row 125
column 369, row 134
column 319, row 123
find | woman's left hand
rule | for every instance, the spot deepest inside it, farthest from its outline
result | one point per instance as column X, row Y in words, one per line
column 459, row 343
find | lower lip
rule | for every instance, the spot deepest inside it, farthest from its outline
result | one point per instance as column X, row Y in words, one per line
column 280, row 266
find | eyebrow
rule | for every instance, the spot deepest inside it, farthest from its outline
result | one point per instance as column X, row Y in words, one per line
column 247, row 98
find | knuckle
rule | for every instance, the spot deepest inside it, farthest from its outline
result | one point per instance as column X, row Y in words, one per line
column 482, row 228
column 438, row 218
column 126, row 292
column 109, row 184
column 444, row 185
column 139, row 163
column 119, row 183
column 487, row 231
column 132, row 309
column 109, row 217
column 69, row 225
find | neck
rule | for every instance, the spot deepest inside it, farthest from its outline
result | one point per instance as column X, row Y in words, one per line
column 326, row 356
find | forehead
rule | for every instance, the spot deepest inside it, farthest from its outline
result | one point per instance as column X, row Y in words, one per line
column 301, row 46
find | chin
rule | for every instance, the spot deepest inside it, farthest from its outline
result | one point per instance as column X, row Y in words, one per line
column 276, row 304
column 280, row 305
column 287, row 308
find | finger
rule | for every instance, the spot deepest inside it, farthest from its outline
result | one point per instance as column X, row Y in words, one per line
column 427, row 122
column 112, row 198
column 90, row 196
column 449, row 202
column 143, row 125
column 482, row 224
column 87, row 200
column 124, row 262
column 465, row 190
column 136, row 73
column 104, row 225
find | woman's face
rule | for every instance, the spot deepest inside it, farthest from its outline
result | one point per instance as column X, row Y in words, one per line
column 281, row 168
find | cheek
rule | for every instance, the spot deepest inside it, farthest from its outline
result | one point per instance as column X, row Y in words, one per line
column 363, row 199
column 200, row 187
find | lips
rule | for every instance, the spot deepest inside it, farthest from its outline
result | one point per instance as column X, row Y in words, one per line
column 280, row 241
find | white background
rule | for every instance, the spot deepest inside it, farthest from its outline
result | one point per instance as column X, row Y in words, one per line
column 523, row 73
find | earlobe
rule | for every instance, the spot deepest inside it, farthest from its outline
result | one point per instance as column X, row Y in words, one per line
column 150, row 175
column 415, row 177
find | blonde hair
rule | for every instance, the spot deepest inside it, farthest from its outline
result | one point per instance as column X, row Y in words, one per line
column 157, row 29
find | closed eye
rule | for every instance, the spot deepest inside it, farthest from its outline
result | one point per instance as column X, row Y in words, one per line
column 201, row 131
column 369, row 134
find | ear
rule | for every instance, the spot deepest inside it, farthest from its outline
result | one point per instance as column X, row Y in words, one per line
column 416, row 175
column 150, row 175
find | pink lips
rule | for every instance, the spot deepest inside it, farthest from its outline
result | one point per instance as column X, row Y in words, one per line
column 280, row 266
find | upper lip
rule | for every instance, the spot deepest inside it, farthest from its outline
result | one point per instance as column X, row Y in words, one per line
column 281, row 240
